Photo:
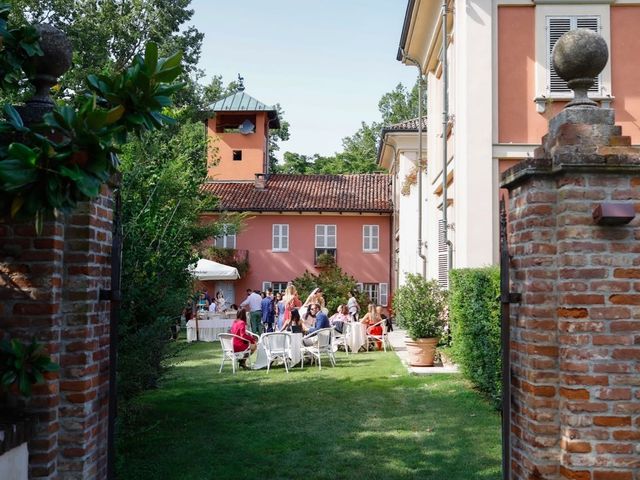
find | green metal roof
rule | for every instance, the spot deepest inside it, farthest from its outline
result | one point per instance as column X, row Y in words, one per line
column 243, row 102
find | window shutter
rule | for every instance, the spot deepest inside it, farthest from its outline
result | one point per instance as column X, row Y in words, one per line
column 265, row 286
column 365, row 238
column 275, row 237
column 443, row 257
column 284, row 239
column 384, row 294
column 556, row 27
column 359, row 286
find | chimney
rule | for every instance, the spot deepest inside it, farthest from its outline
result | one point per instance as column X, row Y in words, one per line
column 260, row 181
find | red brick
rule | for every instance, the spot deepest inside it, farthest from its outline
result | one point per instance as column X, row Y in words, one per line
column 576, row 446
column 626, row 273
column 626, row 435
column 573, row 474
column 81, row 397
column 626, row 354
column 620, row 448
column 619, row 299
column 574, row 394
column 573, row 312
column 75, row 385
column 586, row 379
column 612, row 475
column 612, row 339
column 610, row 313
column 614, row 394
column 587, row 407
column 584, row 299
column 35, row 308
column 609, row 421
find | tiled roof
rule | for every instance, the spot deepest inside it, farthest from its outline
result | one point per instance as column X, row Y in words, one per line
column 408, row 125
column 310, row 193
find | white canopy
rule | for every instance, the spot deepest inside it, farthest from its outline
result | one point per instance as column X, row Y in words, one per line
column 210, row 270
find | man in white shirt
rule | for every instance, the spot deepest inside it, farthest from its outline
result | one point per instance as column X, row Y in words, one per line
column 254, row 303
column 212, row 306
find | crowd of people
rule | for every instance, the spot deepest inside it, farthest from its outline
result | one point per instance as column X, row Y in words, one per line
column 286, row 312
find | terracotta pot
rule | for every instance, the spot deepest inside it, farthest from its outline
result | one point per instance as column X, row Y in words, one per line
column 422, row 351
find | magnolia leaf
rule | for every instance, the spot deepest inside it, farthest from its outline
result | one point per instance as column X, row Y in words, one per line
column 172, row 61
column 23, row 153
column 13, row 116
column 39, row 221
column 97, row 119
column 9, row 377
column 72, row 173
column 115, row 114
column 24, row 384
column 16, row 205
column 14, row 175
column 168, row 75
column 151, row 56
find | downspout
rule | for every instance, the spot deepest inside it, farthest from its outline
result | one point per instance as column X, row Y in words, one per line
column 445, row 124
column 420, row 162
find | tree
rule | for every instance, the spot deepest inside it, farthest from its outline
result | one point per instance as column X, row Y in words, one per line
column 106, row 35
column 399, row 105
column 280, row 135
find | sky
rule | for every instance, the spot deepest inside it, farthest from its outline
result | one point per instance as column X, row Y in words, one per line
column 326, row 62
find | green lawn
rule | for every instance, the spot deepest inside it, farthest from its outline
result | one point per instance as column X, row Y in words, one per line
column 365, row 419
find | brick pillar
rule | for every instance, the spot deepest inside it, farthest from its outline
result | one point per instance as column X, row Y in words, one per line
column 576, row 334
column 49, row 287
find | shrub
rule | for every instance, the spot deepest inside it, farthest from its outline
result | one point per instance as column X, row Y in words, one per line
column 474, row 313
column 419, row 306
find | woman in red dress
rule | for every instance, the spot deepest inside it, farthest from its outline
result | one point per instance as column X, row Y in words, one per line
column 291, row 302
column 371, row 320
column 239, row 328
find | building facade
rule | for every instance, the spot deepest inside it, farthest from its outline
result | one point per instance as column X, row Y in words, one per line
column 290, row 220
column 501, row 91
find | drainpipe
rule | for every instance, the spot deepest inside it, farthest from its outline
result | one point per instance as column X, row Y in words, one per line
column 420, row 163
column 445, row 124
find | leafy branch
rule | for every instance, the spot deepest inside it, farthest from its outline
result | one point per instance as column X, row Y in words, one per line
column 23, row 365
column 71, row 153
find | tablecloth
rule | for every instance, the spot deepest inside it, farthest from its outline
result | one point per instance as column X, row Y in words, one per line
column 356, row 335
column 208, row 330
column 296, row 352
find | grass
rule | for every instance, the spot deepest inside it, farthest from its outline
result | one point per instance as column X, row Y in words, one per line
column 365, row 419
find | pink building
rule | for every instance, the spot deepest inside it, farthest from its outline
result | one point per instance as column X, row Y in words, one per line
column 292, row 218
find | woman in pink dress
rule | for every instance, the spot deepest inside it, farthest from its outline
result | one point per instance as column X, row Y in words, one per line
column 239, row 328
column 291, row 302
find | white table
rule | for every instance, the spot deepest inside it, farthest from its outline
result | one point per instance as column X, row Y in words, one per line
column 356, row 335
column 296, row 352
column 208, row 329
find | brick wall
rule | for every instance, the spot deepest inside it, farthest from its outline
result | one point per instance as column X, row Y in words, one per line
column 49, row 288
column 575, row 337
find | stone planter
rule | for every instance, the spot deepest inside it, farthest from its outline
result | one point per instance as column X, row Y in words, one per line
column 422, row 351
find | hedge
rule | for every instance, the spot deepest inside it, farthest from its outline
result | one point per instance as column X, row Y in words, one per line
column 474, row 317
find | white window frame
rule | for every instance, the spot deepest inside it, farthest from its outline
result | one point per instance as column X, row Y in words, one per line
column 542, row 14
column 322, row 234
column 281, row 287
column 371, row 240
column 383, row 294
column 226, row 239
column 373, row 291
column 266, row 286
column 280, row 237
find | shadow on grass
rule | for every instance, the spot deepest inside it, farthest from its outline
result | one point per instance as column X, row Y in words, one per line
column 366, row 418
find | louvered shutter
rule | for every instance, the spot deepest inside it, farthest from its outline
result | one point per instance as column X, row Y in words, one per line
column 556, row 27
column 443, row 257
column 383, row 294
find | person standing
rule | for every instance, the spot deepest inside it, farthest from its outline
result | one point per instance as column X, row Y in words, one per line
column 354, row 307
column 253, row 303
column 291, row 301
column 267, row 311
column 279, row 305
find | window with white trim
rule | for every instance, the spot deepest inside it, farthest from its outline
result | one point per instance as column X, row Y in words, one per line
column 370, row 238
column 325, row 236
column 280, row 237
column 278, row 287
column 371, row 290
column 378, row 293
column 556, row 27
column 228, row 239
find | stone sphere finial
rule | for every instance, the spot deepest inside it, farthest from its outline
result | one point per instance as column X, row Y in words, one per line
column 578, row 57
column 54, row 62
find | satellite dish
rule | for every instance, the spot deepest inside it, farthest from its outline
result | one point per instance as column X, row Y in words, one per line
column 247, row 127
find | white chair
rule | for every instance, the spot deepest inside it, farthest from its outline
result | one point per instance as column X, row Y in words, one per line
column 374, row 339
column 341, row 338
column 226, row 341
column 277, row 345
column 322, row 343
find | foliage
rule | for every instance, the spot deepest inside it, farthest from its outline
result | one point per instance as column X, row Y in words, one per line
column 275, row 136
column 141, row 358
column 399, row 105
column 19, row 45
column 162, row 173
column 66, row 158
column 366, row 408
column 228, row 256
column 474, row 313
column 106, row 36
column 419, row 306
column 336, row 285
column 23, row 365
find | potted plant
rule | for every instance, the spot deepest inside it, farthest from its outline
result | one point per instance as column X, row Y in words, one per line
column 419, row 305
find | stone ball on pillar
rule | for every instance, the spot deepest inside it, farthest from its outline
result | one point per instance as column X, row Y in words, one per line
column 578, row 57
